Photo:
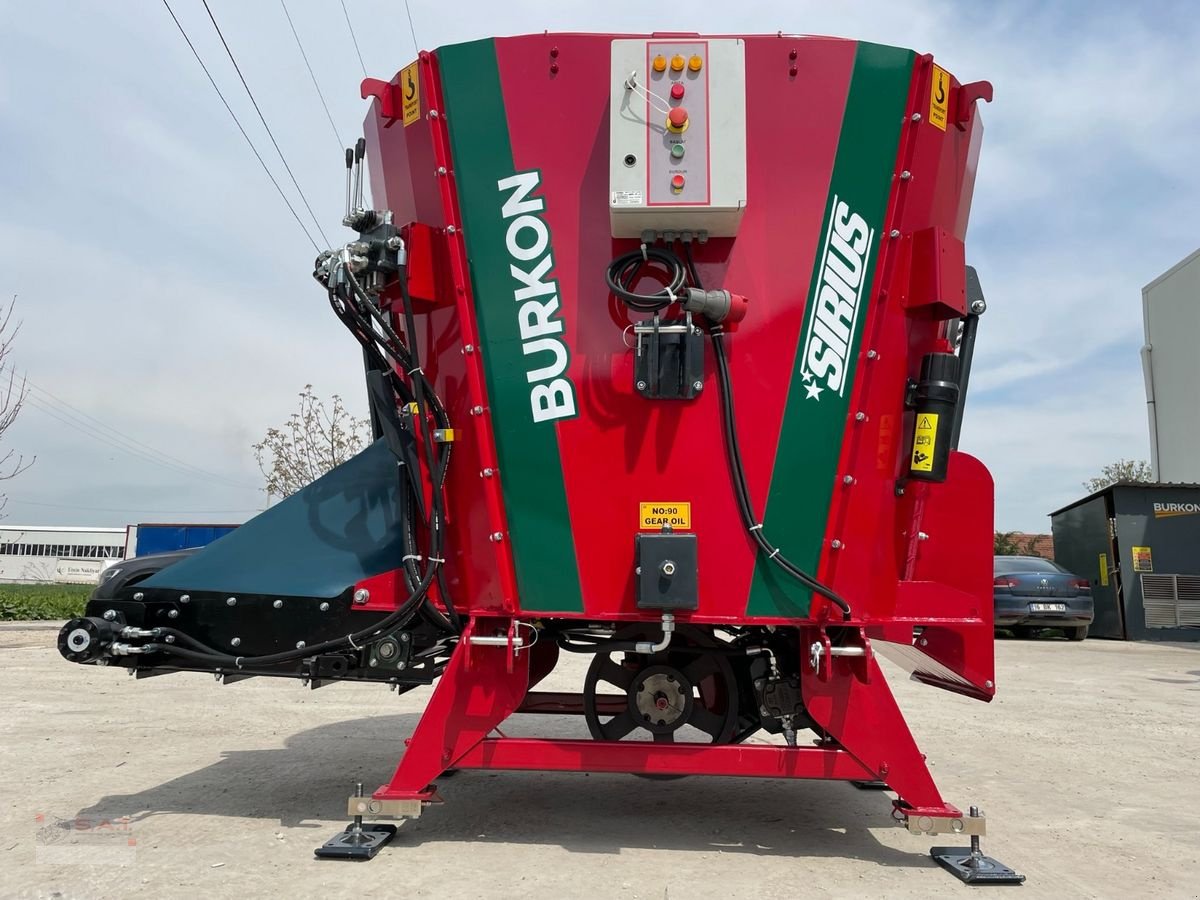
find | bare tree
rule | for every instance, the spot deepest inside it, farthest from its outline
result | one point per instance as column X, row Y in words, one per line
column 12, row 398
column 312, row 441
column 1123, row 470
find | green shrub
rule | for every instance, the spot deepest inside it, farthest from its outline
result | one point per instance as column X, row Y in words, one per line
column 42, row 601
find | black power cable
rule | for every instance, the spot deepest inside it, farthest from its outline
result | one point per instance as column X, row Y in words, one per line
column 737, row 467
column 623, row 273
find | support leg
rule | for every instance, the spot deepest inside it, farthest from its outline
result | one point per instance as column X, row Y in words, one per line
column 481, row 687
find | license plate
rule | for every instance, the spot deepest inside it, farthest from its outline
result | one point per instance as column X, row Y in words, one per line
column 1047, row 607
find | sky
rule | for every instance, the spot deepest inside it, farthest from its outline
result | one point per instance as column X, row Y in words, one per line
column 167, row 312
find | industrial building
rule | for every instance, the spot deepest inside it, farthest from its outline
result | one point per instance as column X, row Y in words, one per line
column 1171, row 312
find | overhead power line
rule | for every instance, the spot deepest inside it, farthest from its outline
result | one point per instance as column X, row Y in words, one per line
column 68, row 415
column 263, row 119
column 133, row 509
column 354, row 38
column 312, row 75
column 412, row 30
column 232, row 115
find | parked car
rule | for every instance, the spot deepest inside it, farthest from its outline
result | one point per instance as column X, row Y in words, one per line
column 1032, row 593
column 137, row 568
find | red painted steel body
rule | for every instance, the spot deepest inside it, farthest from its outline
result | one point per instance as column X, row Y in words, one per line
column 903, row 552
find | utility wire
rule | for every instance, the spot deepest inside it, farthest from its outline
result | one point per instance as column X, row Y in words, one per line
column 263, row 119
column 54, row 402
column 312, row 75
column 412, row 30
column 98, row 435
column 229, row 109
column 346, row 12
column 133, row 509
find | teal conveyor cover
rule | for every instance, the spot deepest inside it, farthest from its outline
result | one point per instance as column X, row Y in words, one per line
column 343, row 527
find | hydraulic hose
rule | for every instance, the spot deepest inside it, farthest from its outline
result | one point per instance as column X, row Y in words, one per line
column 738, row 470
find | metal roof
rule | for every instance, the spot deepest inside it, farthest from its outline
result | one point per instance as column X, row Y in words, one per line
column 1148, row 485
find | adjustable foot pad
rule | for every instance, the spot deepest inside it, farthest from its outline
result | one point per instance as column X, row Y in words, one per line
column 974, row 868
column 358, row 842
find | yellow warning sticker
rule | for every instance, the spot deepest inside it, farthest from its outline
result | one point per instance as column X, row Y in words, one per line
column 1142, row 560
column 410, row 91
column 653, row 516
column 939, row 95
column 924, row 442
column 1103, row 570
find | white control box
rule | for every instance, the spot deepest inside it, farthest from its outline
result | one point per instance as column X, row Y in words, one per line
column 677, row 136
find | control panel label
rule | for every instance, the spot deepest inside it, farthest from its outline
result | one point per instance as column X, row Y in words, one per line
column 924, row 441
column 627, row 198
column 410, row 90
column 939, row 95
column 653, row 516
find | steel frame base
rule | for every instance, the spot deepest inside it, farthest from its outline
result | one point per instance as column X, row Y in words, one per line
column 867, row 741
column 358, row 842
column 973, row 867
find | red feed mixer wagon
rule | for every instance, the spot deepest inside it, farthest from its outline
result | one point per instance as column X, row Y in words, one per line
column 667, row 341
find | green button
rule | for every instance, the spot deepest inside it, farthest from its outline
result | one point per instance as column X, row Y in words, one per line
column 677, row 151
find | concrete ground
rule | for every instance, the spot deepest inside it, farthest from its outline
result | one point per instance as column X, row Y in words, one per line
column 1087, row 765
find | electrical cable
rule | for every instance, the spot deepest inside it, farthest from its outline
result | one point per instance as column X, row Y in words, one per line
column 263, row 119
column 737, row 466
column 412, row 30
column 354, row 38
column 236, row 122
column 311, row 74
column 623, row 273
column 53, row 402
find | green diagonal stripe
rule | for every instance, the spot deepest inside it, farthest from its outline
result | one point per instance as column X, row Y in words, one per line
column 531, row 475
column 810, row 440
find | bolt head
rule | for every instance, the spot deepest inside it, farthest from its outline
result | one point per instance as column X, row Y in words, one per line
column 441, row 170
column 361, row 596
column 324, row 607
column 278, row 604
column 232, row 601
column 847, row 479
column 872, row 354
column 988, row 684
column 299, row 645
column 185, row 598
column 477, row 410
column 924, row 642
column 860, row 417
column 236, row 642
column 905, row 175
column 922, row 536
column 172, row 614
column 641, row 385
column 488, row 473
column 916, row 117
column 110, row 614
column 469, row 348
column 497, row 536
column 978, row 307
column 836, row 544
column 139, row 596
column 895, row 233
column 697, row 385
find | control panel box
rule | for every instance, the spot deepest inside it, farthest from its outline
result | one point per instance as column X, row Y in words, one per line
column 677, row 136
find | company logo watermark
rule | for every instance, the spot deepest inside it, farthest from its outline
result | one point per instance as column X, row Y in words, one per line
column 83, row 840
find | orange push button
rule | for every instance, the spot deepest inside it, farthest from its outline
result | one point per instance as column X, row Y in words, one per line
column 695, row 63
column 676, row 63
column 660, row 63
column 677, row 183
column 677, row 119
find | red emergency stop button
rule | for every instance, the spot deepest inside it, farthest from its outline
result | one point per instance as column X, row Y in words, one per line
column 677, row 183
column 677, row 91
column 677, row 119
